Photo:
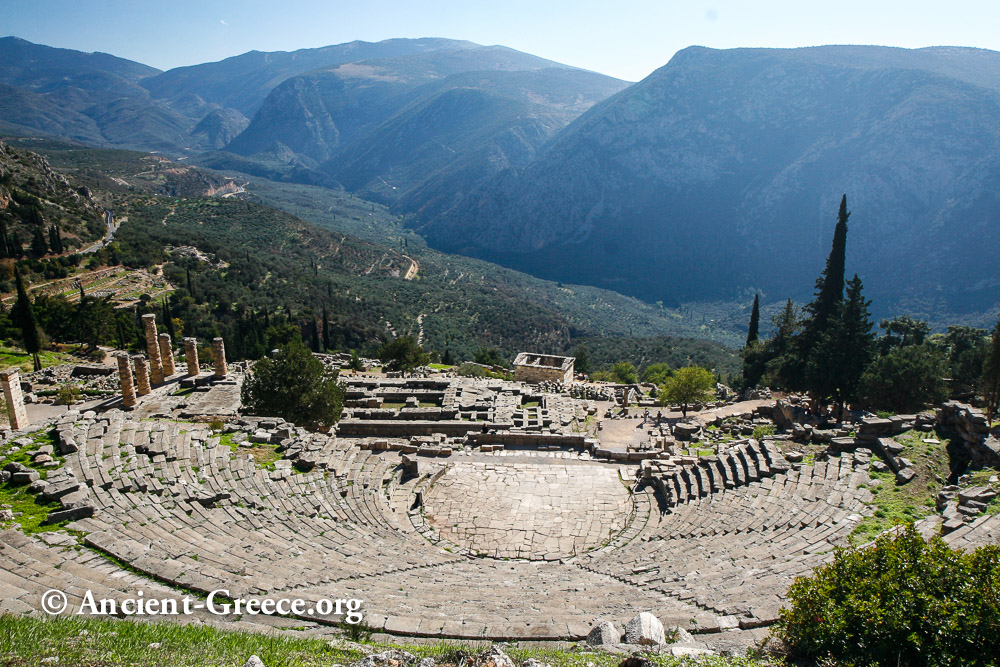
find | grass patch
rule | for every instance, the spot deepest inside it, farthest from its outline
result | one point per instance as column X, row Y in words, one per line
column 912, row 501
column 13, row 357
column 22, row 455
column 263, row 455
column 33, row 509
column 531, row 404
column 184, row 392
column 92, row 641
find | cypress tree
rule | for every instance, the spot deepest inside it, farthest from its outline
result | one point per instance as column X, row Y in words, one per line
column 830, row 285
column 856, row 341
column 26, row 319
column 314, row 331
column 326, row 331
column 753, row 332
column 38, row 246
column 991, row 375
column 811, row 368
column 168, row 320
column 5, row 249
column 53, row 242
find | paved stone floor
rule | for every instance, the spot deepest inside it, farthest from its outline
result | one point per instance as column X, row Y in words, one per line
column 534, row 511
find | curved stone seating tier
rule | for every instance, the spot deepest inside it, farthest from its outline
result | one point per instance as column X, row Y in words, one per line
column 183, row 509
column 984, row 530
column 501, row 600
column 735, row 552
column 33, row 567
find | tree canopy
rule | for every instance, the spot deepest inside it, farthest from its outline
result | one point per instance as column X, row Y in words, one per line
column 295, row 386
column 403, row 354
column 688, row 385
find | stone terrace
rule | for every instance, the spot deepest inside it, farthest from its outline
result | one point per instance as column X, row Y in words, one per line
column 453, row 507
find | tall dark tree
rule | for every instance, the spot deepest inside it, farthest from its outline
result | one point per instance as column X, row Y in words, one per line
column 753, row 333
column 327, row 342
column 55, row 240
column 830, row 284
column 313, row 335
column 25, row 318
column 38, row 246
column 991, row 375
column 168, row 319
column 582, row 364
column 815, row 346
column 855, row 341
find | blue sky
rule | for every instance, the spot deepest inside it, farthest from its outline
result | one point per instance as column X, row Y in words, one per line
column 623, row 38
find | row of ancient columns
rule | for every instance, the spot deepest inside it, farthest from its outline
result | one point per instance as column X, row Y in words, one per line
column 160, row 363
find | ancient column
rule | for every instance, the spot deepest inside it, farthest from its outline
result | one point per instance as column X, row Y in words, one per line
column 191, row 353
column 125, row 375
column 153, row 348
column 166, row 355
column 141, row 375
column 15, row 400
column 219, row 354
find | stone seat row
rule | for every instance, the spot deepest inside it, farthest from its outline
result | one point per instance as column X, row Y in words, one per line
column 33, row 567
column 745, row 463
column 737, row 551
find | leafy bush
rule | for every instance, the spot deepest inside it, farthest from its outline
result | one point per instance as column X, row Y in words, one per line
column 403, row 354
column 762, row 430
column 906, row 379
column 687, row 385
column 625, row 372
column 901, row 601
column 294, row 386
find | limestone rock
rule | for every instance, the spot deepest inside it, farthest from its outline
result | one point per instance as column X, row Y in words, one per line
column 532, row 662
column 393, row 658
column 689, row 651
column 981, row 494
column 644, row 629
column 495, row 657
column 905, row 475
column 603, row 633
column 253, row 661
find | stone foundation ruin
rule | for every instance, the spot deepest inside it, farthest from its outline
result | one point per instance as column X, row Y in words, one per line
column 431, row 492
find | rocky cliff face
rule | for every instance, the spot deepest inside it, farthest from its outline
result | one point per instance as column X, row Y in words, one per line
column 721, row 172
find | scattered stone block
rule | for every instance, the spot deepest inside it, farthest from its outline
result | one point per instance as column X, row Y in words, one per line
column 24, row 477
column 644, row 629
column 603, row 633
column 905, row 475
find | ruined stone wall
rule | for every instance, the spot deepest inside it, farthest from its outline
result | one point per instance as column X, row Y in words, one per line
column 536, row 374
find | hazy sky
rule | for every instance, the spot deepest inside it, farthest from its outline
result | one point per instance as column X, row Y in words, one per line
column 623, row 38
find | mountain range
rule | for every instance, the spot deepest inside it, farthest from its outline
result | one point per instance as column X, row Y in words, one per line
column 715, row 177
column 721, row 173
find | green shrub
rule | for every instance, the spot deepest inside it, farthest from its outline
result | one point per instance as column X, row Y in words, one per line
column 901, row 601
column 763, row 429
column 295, row 386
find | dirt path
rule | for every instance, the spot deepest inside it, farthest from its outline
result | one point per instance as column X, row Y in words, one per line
column 411, row 272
